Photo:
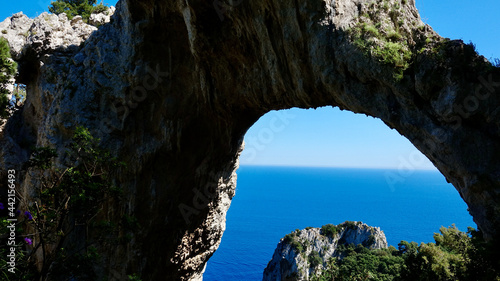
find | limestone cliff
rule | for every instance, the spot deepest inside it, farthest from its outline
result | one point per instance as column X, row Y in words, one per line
column 33, row 41
column 294, row 257
column 171, row 87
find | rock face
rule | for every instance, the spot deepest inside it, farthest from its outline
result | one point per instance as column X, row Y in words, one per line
column 47, row 33
column 99, row 19
column 171, row 87
column 292, row 259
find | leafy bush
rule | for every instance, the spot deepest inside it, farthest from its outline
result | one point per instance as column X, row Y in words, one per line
column 66, row 201
column 314, row 259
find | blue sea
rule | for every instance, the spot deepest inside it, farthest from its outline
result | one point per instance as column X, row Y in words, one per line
column 271, row 202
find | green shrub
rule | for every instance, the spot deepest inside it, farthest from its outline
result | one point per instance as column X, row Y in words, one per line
column 292, row 241
column 371, row 30
column 289, row 238
column 329, row 230
column 66, row 201
column 314, row 259
column 395, row 54
column 394, row 36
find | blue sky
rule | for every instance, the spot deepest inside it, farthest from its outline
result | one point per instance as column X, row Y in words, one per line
column 329, row 137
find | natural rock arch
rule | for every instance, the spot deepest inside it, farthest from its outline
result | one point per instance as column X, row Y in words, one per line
column 172, row 87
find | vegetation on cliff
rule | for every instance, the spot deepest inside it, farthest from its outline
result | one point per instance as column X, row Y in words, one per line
column 455, row 255
column 382, row 34
column 73, row 8
column 385, row 38
column 361, row 263
column 291, row 239
column 69, row 201
column 329, row 230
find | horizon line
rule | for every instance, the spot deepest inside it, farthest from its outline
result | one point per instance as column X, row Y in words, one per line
column 434, row 169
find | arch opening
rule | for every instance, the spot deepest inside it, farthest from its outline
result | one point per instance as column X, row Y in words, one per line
column 304, row 168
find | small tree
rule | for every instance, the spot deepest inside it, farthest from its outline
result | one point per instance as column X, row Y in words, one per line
column 73, row 8
column 8, row 69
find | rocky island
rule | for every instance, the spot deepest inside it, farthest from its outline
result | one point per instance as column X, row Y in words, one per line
column 356, row 251
column 305, row 253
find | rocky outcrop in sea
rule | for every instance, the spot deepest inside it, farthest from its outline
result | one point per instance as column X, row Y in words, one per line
column 304, row 253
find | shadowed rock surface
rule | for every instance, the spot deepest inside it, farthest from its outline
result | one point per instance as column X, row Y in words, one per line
column 171, row 87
